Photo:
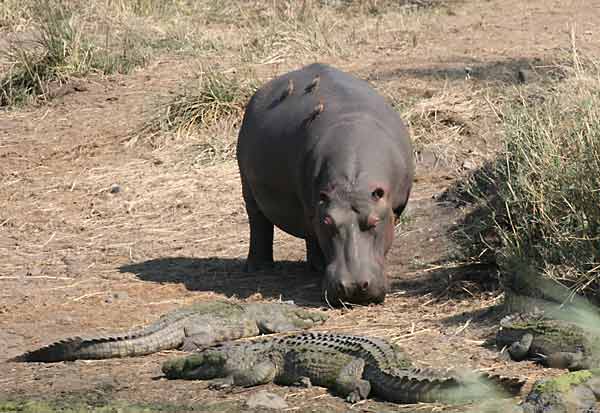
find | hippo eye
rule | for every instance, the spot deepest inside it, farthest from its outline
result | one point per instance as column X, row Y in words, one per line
column 323, row 198
column 377, row 194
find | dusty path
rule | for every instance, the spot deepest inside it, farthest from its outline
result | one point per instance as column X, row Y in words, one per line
column 76, row 258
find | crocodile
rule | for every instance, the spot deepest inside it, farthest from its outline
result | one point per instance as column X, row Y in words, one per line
column 351, row 366
column 577, row 391
column 551, row 342
column 195, row 326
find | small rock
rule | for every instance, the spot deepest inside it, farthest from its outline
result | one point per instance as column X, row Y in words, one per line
column 120, row 295
column 115, row 189
column 34, row 272
column 469, row 165
column 64, row 320
column 266, row 400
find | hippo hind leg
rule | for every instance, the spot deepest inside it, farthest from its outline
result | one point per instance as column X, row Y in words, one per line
column 260, row 254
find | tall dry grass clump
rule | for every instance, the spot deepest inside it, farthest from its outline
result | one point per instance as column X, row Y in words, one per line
column 541, row 196
column 59, row 48
column 207, row 113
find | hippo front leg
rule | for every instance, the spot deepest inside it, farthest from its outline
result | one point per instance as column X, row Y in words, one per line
column 314, row 255
column 260, row 254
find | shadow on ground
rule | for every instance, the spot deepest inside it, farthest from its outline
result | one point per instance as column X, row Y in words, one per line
column 511, row 71
column 450, row 281
column 459, row 282
column 288, row 280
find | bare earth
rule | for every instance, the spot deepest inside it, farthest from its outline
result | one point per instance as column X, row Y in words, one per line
column 76, row 258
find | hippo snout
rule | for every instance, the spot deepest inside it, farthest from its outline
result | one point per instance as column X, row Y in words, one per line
column 357, row 289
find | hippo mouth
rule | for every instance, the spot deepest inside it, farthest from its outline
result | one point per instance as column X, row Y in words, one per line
column 336, row 296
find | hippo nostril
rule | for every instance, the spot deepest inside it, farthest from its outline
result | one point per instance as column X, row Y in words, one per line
column 364, row 285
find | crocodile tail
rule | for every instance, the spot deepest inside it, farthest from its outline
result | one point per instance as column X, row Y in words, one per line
column 409, row 386
column 511, row 385
column 63, row 350
column 428, row 385
column 156, row 337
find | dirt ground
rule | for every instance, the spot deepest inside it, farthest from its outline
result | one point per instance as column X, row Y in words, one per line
column 78, row 259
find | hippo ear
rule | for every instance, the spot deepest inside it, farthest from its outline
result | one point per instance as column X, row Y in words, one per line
column 377, row 194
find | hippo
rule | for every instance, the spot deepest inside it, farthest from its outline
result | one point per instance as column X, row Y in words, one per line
column 324, row 157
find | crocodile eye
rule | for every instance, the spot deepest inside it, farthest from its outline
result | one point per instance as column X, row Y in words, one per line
column 377, row 194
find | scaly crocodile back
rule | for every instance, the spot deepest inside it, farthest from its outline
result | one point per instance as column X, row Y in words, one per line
column 374, row 351
column 549, row 335
column 393, row 378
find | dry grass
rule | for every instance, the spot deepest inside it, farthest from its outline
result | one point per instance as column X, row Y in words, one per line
column 540, row 196
column 174, row 233
column 206, row 115
column 119, row 35
column 62, row 47
column 441, row 123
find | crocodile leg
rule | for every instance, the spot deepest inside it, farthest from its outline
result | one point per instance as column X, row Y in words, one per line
column 520, row 349
column 339, row 372
column 350, row 384
column 275, row 326
column 261, row 373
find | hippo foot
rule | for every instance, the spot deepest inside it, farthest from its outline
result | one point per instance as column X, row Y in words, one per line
column 255, row 266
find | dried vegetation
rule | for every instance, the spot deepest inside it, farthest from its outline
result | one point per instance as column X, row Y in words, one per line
column 538, row 200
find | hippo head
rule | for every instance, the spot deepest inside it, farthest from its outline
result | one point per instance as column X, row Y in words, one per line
column 355, row 230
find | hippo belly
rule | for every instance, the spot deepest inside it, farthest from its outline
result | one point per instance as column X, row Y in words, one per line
column 283, row 208
column 323, row 157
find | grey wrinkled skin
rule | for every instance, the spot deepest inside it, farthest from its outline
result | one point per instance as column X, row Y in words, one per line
column 323, row 157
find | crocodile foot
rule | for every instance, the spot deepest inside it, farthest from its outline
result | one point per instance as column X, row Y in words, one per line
column 519, row 349
column 221, row 383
